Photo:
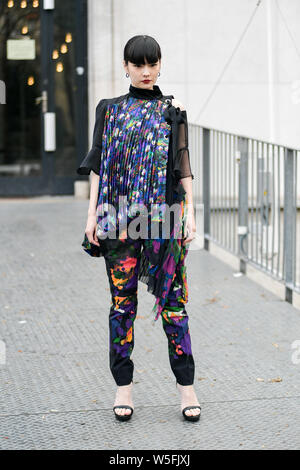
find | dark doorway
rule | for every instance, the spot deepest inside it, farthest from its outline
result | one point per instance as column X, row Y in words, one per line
column 43, row 122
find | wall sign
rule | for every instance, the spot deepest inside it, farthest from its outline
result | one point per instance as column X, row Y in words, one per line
column 20, row 49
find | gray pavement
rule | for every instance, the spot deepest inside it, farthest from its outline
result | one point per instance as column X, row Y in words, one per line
column 57, row 391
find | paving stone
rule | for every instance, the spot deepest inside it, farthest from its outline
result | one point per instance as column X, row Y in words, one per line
column 57, row 391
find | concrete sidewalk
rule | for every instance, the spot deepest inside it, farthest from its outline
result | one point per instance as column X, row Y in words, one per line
column 57, row 391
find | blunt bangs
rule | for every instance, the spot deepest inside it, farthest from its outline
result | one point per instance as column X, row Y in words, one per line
column 142, row 47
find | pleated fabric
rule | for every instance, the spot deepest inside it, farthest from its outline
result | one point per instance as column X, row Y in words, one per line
column 133, row 162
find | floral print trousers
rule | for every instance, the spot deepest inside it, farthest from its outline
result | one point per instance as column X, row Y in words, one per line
column 122, row 258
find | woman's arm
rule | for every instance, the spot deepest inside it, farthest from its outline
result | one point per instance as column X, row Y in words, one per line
column 190, row 219
column 187, row 183
column 92, row 215
column 91, row 166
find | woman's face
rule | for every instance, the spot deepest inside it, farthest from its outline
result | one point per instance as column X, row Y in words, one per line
column 144, row 75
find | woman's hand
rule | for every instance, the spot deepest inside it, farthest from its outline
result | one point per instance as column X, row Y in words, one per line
column 190, row 227
column 91, row 230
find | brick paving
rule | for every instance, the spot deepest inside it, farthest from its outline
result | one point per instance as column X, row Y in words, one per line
column 55, row 392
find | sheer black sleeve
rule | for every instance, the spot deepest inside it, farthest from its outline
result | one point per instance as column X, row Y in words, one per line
column 183, row 164
column 93, row 158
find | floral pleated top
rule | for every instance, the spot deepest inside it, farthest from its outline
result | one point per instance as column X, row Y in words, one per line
column 140, row 151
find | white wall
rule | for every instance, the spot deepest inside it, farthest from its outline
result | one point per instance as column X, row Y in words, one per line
column 197, row 38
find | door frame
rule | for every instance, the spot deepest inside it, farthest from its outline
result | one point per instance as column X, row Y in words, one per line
column 48, row 183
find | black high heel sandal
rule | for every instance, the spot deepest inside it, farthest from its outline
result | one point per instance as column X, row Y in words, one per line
column 187, row 417
column 191, row 418
column 123, row 417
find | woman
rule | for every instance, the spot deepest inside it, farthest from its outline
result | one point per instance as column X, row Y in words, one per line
column 140, row 160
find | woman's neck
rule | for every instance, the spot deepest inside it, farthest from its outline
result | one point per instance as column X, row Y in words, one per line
column 136, row 86
column 145, row 93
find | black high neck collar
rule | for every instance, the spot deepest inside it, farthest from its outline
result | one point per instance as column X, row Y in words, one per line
column 144, row 93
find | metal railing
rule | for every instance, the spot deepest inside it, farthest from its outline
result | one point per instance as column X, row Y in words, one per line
column 248, row 189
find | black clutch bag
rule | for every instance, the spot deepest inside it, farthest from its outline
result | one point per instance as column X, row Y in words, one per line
column 90, row 248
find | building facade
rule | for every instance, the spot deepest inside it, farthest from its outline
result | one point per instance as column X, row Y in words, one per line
column 235, row 66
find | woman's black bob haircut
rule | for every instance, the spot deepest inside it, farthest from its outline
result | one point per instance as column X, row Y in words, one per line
column 141, row 47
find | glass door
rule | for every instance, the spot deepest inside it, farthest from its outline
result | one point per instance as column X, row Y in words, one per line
column 43, row 115
column 64, row 76
column 70, row 83
column 20, row 72
column 67, row 92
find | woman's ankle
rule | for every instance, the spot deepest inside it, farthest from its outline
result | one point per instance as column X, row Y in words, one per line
column 124, row 385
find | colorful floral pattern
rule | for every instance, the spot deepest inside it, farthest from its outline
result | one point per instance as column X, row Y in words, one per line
column 135, row 144
column 122, row 260
column 134, row 157
column 172, row 263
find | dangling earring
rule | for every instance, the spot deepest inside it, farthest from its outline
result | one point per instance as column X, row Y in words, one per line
column 158, row 74
column 127, row 74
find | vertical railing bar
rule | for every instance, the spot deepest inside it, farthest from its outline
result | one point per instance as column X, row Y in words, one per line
column 237, row 201
column 199, row 150
column 230, row 186
column 198, row 160
column 219, row 187
column 211, row 176
column 250, row 154
column 234, row 193
column 199, row 145
column 288, row 222
column 224, row 190
column 254, row 195
column 227, row 190
column 243, row 147
column 280, row 159
column 195, row 169
column 218, row 183
column 251, row 182
column 279, row 209
column 221, row 201
column 296, row 234
column 261, row 205
column 267, row 208
column 206, row 184
column 257, row 198
column 273, row 210
column 213, row 166
column 215, row 184
column 295, row 216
